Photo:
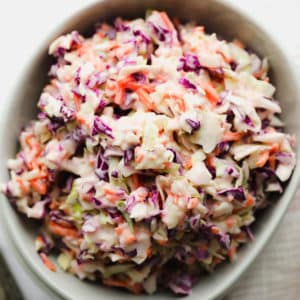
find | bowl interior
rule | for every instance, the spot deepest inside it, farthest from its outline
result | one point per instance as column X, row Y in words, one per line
column 217, row 17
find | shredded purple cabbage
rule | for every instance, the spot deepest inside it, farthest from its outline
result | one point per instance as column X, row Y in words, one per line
column 115, row 174
column 96, row 79
column 189, row 63
column 187, row 84
column 128, row 156
column 100, row 127
column 102, row 166
column 181, row 284
column 120, row 25
column 237, row 193
column 163, row 35
column 195, row 125
column 68, row 113
column 145, row 38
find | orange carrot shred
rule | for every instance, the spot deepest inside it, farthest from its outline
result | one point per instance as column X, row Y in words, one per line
column 62, row 231
column 188, row 163
column 238, row 44
column 120, row 95
column 77, row 102
column 264, row 156
column 22, row 185
column 232, row 252
column 230, row 222
column 167, row 21
column 135, row 181
column 250, row 201
column 215, row 230
column 39, row 186
column 210, row 161
column 139, row 158
column 230, row 136
column 109, row 191
column 47, row 262
column 211, row 93
column 145, row 98
column 127, row 284
column 272, row 161
column 130, row 238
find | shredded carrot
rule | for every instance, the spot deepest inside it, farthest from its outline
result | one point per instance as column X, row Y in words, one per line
column 39, row 186
column 111, row 194
column 118, row 230
column 87, row 197
column 40, row 175
column 230, row 136
column 188, row 163
column 167, row 21
column 177, row 99
column 135, row 181
column 200, row 29
column 77, row 102
column 145, row 98
column 53, row 205
column 129, row 82
column 238, row 44
column 39, row 238
column 22, row 185
column 109, row 191
column 193, row 202
column 33, row 164
column 211, row 93
column 264, row 156
column 125, row 81
column 259, row 73
column 130, row 239
column 210, row 161
column 100, row 35
column 123, row 50
column 217, row 260
column 275, row 147
column 136, row 288
column 162, row 242
column 149, row 251
column 225, row 58
column 232, row 252
column 272, row 161
column 240, row 236
column 176, row 198
column 167, row 164
column 139, row 158
column 180, row 102
column 230, row 222
column 120, row 95
column 43, row 174
column 250, row 201
column 81, row 120
column 110, row 85
column 62, row 231
column 132, row 85
column 34, row 146
column 47, row 262
column 215, row 230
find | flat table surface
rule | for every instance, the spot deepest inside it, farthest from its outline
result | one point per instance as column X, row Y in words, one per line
column 23, row 25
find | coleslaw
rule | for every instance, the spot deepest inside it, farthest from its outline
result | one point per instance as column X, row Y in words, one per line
column 154, row 147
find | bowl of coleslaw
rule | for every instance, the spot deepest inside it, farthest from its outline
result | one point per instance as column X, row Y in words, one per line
column 163, row 149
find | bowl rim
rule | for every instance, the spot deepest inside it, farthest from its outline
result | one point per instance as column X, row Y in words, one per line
column 283, row 204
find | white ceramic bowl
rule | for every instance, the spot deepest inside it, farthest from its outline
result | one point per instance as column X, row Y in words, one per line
column 217, row 17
